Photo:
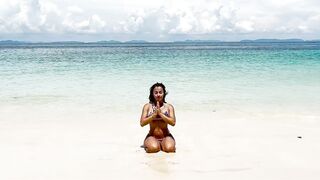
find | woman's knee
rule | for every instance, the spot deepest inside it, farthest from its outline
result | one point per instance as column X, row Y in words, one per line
column 152, row 146
column 168, row 146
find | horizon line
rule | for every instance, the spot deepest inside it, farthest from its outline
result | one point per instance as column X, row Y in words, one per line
column 178, row 41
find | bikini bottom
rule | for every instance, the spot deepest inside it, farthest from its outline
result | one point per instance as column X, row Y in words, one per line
column 160, row 139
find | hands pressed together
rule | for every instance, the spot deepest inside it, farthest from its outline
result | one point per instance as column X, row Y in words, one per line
column 157, row 112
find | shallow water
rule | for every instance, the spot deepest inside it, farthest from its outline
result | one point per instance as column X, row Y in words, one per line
column 199, row 77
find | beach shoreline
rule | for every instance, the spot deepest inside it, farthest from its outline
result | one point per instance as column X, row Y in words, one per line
column 56, row 144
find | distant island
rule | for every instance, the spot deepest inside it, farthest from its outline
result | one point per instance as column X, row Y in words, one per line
column 108, row 42
column 136, row 41
column 13, row 42
column 199, row 41
column 274, row 40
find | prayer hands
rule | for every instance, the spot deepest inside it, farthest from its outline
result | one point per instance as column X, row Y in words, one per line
column 157, row 112
column 158, row 108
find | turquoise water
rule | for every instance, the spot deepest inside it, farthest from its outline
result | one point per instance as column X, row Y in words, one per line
column 199, row 77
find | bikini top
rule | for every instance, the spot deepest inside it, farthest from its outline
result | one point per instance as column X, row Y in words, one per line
column 153, row 108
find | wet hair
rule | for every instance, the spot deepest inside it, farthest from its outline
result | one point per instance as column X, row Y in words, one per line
column 151, row 98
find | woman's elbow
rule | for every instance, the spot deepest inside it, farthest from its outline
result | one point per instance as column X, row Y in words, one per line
column 142, row 123
column 173, row 123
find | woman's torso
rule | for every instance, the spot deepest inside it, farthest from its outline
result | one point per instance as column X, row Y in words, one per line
column 158, row 127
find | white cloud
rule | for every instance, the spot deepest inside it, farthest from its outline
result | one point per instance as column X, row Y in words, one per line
column 245, row 26
column 75, row 9
column 161, row 19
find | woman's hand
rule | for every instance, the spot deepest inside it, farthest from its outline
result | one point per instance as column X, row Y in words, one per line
column 158, row 108
column 157, row 112
column 154, row 114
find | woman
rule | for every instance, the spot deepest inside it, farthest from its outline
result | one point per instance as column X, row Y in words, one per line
column 158, row 114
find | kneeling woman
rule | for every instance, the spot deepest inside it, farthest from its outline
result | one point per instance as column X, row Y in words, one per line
column 158, row 114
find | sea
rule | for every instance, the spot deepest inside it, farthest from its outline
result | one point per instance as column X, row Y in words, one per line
column 265, row 77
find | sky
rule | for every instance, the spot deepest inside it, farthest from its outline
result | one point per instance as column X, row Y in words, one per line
column 158, row 21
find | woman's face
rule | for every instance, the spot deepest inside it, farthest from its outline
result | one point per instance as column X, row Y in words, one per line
column 158, row 93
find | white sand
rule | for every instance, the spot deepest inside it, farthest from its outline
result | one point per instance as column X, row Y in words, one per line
column 41, row 143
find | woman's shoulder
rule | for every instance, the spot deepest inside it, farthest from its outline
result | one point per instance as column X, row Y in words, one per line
column 147, row 105
column 169, row 105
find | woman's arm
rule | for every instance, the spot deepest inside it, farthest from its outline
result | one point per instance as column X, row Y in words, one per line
column 172, row 117
column 144, row 120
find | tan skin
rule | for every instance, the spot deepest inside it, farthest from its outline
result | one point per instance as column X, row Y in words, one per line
column 158, row 117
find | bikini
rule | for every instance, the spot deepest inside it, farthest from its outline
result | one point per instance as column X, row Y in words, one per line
column 166, row 132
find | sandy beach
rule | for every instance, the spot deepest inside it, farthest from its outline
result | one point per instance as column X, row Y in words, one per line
column 59, row 143
column 243, row 79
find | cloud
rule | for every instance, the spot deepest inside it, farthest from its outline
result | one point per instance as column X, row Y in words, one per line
column 92, row 24
column 187, row 20
column 190, row 20
column 17, row 16
column 172, row 18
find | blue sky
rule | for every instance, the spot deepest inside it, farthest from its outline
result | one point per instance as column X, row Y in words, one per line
column 82, row 20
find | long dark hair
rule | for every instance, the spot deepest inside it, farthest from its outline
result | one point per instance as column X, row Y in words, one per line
column 151, row 98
